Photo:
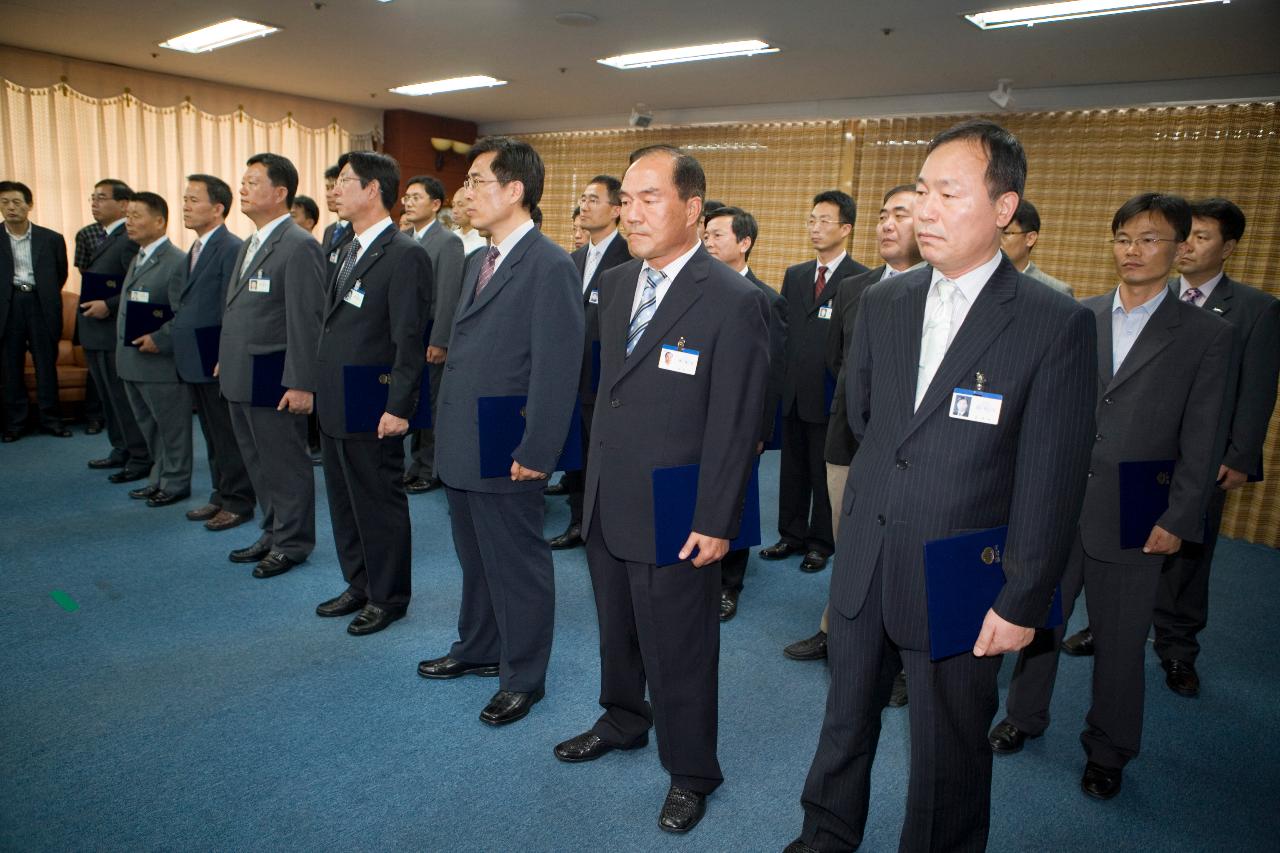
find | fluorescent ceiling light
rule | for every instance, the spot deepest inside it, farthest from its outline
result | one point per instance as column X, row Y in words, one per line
column 1045, row 13
column 218, row 35
column 650, row 58
column 453, row 84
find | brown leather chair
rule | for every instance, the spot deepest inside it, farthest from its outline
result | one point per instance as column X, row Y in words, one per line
column 73, row 370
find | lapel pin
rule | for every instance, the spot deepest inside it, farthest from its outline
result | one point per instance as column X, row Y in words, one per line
column 979, row 380
column 680, row 343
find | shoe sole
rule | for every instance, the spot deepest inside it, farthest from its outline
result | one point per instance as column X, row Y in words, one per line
column 483, row 671
column 791, row 656
column 812, row 569
column 1102, row 797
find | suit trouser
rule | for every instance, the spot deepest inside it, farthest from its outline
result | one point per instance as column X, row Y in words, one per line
column 27, row 329
column 422, row 444
column 232, row 490
column 127, row 444
column 660, row 626
column 575, row 481
column 837, row 478
column 92, row 403
column 1182, row 602
column 1120, row 598
column 370, row 516
column 274, row 448
column 804, row 510
column 508, row 584
column 952, row 703
column 163, row 413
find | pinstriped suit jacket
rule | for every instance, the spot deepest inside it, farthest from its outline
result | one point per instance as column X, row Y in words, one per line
column 921, row 475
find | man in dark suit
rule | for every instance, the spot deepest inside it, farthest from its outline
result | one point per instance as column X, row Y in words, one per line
column 1164, row 369
column 377, row 304
column 33, row 268
column 599, row 207
column 1020, row 237
column 729, row 234
column 684, row 364
column 161, row 403
column 804, row 511
column 87, row 240
column 919, row 474
column 518, row 332
column 274, row 302
column 338, row 232
column 423, row 198
column 196, row 325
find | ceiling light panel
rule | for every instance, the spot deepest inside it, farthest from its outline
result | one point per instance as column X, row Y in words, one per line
column 695, row 53
column 453, row 84
column 218, row 35
column 1047, row 13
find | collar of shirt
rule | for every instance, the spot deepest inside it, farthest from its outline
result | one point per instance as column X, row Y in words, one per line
column 890, row 272
column 418, row 235
column 830, row 265
column 971, row 283
column 203, row 239
column 148, row 250
column 18, row 238
column 505, row 247
column 111, row 229
column 598, row 249
column 745, row 271
column 1206, row 288
column 670, row 272
column 1149, row 307
column 368, row 235
column 266, row 230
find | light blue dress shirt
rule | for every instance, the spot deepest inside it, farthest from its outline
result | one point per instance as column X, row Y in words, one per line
column 1127, row 325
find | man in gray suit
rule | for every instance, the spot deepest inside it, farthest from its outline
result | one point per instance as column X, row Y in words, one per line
column 1018, row 239
column 1164, row 368
column 161, row 403
column 518, row 332
column 269, row 333
column 422, row 200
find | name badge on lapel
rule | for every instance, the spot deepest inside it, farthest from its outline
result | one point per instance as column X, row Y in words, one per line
column 333, row 256
column 678, row 358
column 355, row 296
column 594, row 298
column 259, row 284
column 824, row 313
column 980, row 406
column 139, row 296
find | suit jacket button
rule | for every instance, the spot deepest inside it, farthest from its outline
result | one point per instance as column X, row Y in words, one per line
column 1091, row 472
column 1098, row 437
column 880, row 520
column 1107, row 400
column 903, row 464
column 615, row 403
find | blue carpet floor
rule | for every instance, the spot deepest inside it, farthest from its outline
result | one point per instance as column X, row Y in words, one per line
column 184, row 705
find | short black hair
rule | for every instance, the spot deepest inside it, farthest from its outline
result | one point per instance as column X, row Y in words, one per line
column 1230, row 218
column 842, row 200
column 686, row 172
column 1173, row 209
column 1006, row 160
column 577, row 211
column 431, row 186
column 154, row 203
column 308, row 205
column 900, row 188
column 514, row 160
column 743, row 223
column 709, row 208
column 613, row 185
column 119, row 189
column 383, row 168
column 331, row 173
column 219, row 192
column 536, row 216
column 280, row 171
column 1027, row 217
column 16, row 187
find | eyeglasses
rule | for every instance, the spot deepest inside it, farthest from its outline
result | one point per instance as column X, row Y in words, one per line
column 100, row 197
column 824, row 221
column 1144, row 243
column 1009, row 233
column 408, row 198
column 474, row 183
column 346, row 179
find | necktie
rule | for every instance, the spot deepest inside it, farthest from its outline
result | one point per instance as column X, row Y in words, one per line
column 344, row 272
column 337, row 235
column 933, row 345
column 648, row 305
column 248, row 255
column 1192, row 295
column 195, row 256
column 820, row 283
column 486, row 270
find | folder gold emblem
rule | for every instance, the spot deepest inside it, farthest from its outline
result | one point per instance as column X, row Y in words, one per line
column 990, row 555
column 157, row 313
column 1163, row 478
column 112, row 285
column 384, row 378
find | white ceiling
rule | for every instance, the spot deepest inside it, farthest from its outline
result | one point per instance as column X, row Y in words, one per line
column 352, row 51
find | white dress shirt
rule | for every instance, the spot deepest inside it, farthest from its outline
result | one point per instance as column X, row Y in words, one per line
column 148, row 250
column 509, row 242
column 670, row 271
column 24, row 272
column 594, row 253
column 830, row 265
column 367, row 236
column 418, row 235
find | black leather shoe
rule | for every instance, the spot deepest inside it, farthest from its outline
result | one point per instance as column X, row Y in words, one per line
column 275, row 563
column 814, row 561
column 728, row 604
column 814, row 648
column 798, row 846
column 1006, row 738
column 104, row 463
column 571, row 538
column 56, row 431
column 9, row 436
column 204, row 513
column 898, row 697
column 682, row 810
column 144, row 493
column 371, row 619
column 163, row 498
column 779, row 550
column 93, row 427
column 252, row 553
column 507, row 706
column 556, row 489
column 417, row 485
column 1079, row 644
column 343, row 605
column 1101, row 783
column 447, row 667
column 127, row 476
column 588, row 747
column 1181, row 677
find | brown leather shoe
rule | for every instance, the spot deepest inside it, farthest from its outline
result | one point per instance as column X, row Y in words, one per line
column 204, row 513
column 225, row 520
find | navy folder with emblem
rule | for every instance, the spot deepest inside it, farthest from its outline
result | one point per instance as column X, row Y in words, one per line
column 1144, row 497
column 366, row 388
column 143, row 318
column 96, row 286
column 208, row 343
column 963, row 577
column 675, row 497
column 500, row 424
column 268, row 375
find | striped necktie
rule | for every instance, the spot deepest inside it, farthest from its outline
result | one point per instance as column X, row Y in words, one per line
column 1192, row 295
column 344, row 272
column 648, row 305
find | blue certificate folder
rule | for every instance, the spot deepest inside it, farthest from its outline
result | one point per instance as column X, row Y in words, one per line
column 366, row 388
column 675, row 496
column 1144, row 497
column 208, row 342
column 143, row 318
column 500, row 422
column 963, row 577
column 98, row 285
column 268, row 373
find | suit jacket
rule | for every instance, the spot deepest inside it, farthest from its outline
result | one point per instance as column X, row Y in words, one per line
column 112, row 257
column 658, row 418
column 522, row 336
column 841, row 445
column 444, row 248
column 203, row 297
column 327, row 242
column 1256, row 317
column 395, row 274
column 777, row 325
column 161, row 278
column 49, row 262
column 805, row 387
column 284, row 318
column 921, row 474
column 1040, row 275
column 617, row 253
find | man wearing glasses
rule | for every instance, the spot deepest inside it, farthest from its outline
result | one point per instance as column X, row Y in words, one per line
column 1019, row 238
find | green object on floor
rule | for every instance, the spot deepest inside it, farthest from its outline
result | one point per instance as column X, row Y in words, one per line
column 65, row 601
